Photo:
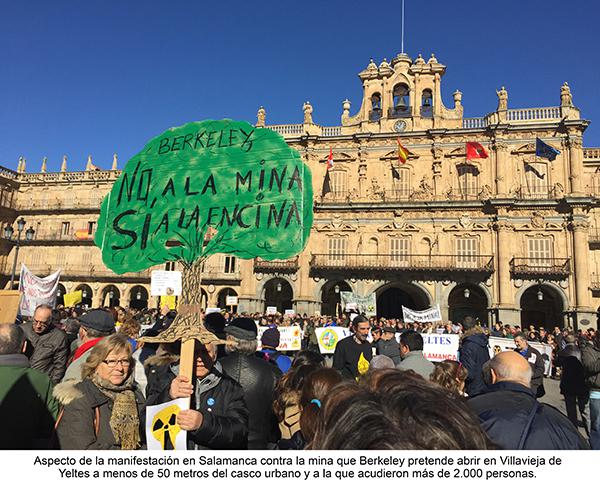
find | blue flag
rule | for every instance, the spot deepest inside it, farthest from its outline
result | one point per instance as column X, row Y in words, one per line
column 545, row 150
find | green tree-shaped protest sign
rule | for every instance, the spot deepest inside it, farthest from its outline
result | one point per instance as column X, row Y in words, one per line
column 242, row 185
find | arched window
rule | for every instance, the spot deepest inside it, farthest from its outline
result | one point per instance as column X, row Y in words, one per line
column 401, row 95
column 375, row 112
column 427, row 103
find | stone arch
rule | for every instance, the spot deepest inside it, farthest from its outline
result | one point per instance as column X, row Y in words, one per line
column 548, row 310
column 278, row 292
column 330, row 299
column 110, row 300
column 138, row 297
column 222, row 298
column 468, row 299
column 87, row 294
column 392, row 295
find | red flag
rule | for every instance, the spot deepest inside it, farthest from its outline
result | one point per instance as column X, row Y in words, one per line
column 402, row 153
column 475, row 150
column 330, row 160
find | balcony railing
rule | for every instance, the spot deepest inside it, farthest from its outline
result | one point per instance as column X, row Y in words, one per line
column 276, row 266
column 591, row 153
column 427, row 112
column 59, row 204
column 595, row 282
column 542, row 113
column 401, row 262
column 88, row 272
column 50, row 237
column 536, row 267
column 539, row 192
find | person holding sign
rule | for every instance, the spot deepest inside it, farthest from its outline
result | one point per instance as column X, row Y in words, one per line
column 218, row 417
column 353, row 354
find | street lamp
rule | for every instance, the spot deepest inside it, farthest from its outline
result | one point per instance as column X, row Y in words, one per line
column 540, row 294
column 467, row 293
column 8, row 234
column 337, row 289
column 278, row 286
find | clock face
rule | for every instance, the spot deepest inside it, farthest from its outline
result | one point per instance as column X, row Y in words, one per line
column 400, row 126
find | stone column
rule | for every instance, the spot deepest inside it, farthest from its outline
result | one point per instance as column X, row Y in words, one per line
column 575, row 145
column 507, row 312
column 247, row 291
column 501, row 159
column 584, row 314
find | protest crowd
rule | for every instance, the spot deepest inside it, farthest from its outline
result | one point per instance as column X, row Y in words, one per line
column 77, row 378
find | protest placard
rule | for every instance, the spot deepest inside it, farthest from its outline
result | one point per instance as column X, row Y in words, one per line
column 271, row 310
column 290, row 338
column 37, row 290
column 231, row 300
column 498, row 344
column 427, row 315
column 329, row 337
column 70, row 299
column 366, row 305
column 9, row 305
column 162, row 430
column 165, row 283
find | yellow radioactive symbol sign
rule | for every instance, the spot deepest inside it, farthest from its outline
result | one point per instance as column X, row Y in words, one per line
column 164, row 425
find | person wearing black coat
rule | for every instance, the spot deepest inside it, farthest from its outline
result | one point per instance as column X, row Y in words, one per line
column 164, row 321
column 218, row 418
column 572, row 381
column 258, row 379
column 535, row 360
column 512, row 417
column 474, row 353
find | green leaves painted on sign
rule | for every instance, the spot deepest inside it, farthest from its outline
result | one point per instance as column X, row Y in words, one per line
column 243, row 186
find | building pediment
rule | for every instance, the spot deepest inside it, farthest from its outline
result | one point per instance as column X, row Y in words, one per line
column 393, row 155
column 525, row 149
column 338, row 157
column 399, row 226
column 457, row 153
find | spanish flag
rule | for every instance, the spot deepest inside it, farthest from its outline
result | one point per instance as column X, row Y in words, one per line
column 402, row 152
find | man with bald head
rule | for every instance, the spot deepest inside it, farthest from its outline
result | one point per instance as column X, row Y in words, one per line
column 511, row 415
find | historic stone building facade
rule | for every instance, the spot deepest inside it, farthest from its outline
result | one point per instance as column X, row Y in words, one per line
column 511, row 237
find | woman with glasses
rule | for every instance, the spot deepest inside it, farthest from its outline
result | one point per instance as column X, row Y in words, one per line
column 105, row 409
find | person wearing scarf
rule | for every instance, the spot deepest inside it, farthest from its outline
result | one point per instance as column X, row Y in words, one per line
column 105, row 410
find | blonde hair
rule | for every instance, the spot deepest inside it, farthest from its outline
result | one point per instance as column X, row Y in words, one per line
column 115, row 342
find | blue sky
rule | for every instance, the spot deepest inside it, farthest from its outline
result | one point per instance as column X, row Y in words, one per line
column 99, row 77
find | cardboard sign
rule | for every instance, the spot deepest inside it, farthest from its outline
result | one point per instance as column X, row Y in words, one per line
column 290, row 312
column 231, row 300
column 208, row 311
column 37, row 290
column 438, row 347
column 271, row 310
column 165, row 283
column 244, row 185
column 9, row 305
column 170, row 301
column 290, row 338
column 162, row 430
column 70, row 299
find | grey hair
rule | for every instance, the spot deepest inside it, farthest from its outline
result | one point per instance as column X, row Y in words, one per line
column 508, row 373
column 11, row 338
column 43, row 306
column 240, row 345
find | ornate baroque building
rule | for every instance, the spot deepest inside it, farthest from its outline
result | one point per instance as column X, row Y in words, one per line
column 512, row 237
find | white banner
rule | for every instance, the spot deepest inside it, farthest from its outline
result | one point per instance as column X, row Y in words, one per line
column 497, row 344
column 165, row 283
column 431, row 314
column 328, row 338
column 290, row 338
column 231, row 300
column 439, row 347
column 36, row 290
column 366, row 305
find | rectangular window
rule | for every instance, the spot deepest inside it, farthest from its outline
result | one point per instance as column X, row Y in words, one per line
column 337, row 250
column 339, row 183
column 91, row 228
column 468, row 183
column 467, row 249
column 170, row 266
column 66, row 229
column 540, row 251
column 400, row 251
column 229, row 265
column 401, row 183
column 536, row 176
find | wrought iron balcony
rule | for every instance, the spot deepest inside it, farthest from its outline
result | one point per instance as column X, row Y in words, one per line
column 539, row 192
column 367, row 264
column 540, row 267
column 276, row 266
column 86, row 272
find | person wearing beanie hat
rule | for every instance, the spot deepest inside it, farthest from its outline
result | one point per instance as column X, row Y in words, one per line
column 258, row 379
column 270, row 341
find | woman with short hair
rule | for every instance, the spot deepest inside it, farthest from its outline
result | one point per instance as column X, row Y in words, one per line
column 103, row 411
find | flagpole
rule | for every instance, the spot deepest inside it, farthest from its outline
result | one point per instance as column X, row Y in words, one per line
column 402, row 47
